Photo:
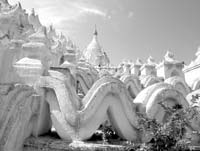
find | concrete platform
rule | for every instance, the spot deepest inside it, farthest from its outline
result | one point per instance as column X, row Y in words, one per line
column 48, row 143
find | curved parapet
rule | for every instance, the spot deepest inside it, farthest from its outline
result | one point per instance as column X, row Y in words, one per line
column 92, row 76
column 108, row 98
column 84, row 79
column 103, row 73
column 179, row 84
column 151, row 96
column 149, row 80
column 86, row 65
column 22, row 113
column 196, row 84
column 120, row 70
column 89, row 69
column 132, row 84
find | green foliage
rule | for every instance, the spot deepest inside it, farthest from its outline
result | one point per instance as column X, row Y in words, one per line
column 109, row 133
column 167, row 136
column 105, row 133
column 170, row 135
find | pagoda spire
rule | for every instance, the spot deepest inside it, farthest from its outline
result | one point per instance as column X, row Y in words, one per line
column 95, row 30
column 20, row 6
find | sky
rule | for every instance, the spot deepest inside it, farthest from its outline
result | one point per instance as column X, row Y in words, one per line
column 127, row 29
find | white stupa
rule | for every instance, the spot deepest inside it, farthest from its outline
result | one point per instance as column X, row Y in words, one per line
column 94, row 53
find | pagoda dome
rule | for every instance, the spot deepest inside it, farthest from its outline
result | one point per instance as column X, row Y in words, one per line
column 94, row 53
column 94, row 46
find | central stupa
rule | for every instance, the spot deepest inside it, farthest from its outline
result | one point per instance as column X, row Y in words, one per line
column 94, row 53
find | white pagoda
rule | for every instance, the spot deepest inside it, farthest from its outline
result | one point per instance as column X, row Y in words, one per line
column 94, row 53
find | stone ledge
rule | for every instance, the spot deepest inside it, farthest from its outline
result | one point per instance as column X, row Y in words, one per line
column 48, row 143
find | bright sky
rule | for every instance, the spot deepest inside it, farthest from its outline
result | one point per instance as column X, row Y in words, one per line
column 128, row 29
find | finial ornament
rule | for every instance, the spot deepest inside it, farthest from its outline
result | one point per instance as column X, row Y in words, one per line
column 151, row 61
column 169, row 56
column 139, row 61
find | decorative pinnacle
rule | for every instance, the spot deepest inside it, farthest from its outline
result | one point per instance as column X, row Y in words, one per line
column 151, row 61
column 169, row 56
column 33, row 11
column 51, row 27
column 139, row 62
